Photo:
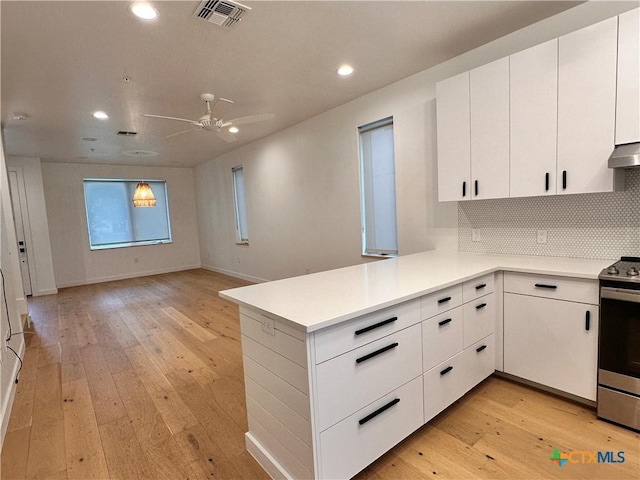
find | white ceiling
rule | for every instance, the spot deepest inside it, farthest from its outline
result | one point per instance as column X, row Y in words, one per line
column 62, row 60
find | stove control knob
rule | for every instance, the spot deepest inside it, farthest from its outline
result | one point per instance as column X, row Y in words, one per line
column 632, row 272
column 612, row 270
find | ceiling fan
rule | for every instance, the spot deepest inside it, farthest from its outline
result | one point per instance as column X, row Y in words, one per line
column 211, row 123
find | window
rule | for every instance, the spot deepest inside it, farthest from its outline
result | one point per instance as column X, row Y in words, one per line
column 114, row 222
column 377, row 171
column 240, row 202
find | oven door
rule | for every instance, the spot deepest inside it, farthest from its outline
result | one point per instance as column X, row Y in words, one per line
column 619, row 352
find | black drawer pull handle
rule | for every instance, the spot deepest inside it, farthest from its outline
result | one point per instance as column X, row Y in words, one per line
column 375, row 325
column 482, row 305
column 544, row 285
column 444, row 322
column 546, row 182
column 476, row 187
column 377, row 352
column 481, row 286
column 379, row 411
column 446, row 370
column 445, row 299
column 464, row 189
column 480, row 348
column 564, row 179
column 587, row 321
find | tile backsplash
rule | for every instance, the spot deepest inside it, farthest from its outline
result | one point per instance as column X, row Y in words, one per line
column 594, row 225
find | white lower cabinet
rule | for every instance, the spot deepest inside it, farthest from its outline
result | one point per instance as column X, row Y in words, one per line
column 355, row 442
column 552, row 342
column 447, row 382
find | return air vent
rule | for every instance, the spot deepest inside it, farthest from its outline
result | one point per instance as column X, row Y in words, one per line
column 124, row 133
column 225, row 13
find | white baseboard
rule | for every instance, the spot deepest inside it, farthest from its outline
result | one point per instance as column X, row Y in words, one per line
column 46, row 291
column 10, row 395
column 231, row 273
column 90, row 281
column 264, row 458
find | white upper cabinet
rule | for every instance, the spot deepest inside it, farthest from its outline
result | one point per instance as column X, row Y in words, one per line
column 533, row 123
column 489, row 87
column 628, row 98
column 454, row 167
column 586, row 108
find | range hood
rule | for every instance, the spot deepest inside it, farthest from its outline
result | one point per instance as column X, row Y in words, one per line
column 625, row 156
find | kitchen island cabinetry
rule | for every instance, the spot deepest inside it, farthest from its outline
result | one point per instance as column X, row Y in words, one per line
column 551, row 332
column 340, row 366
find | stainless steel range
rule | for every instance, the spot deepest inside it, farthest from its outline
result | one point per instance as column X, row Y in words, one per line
column 619, row 343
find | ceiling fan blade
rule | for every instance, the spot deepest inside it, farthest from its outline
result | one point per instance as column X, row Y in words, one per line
column 261, row 117
column 180, row 133
column 226, row 136
column 193, row 122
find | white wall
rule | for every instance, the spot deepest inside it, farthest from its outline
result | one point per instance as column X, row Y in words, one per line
column 38, row 242
column 11, row 290
column 302, row 183
column 75, row 264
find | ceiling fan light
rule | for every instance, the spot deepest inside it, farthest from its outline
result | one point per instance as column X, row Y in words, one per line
column 143, row 196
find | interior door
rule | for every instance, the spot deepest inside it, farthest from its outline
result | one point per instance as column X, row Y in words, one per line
column 15, row 189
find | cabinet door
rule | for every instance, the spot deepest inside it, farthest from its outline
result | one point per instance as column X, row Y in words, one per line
column 628, row 98
column 489, row 86
column 586, row 108
column 454, row 167
column 534, row 120
column 552, row 342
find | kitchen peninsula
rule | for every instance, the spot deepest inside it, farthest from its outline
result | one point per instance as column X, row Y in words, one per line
column 342, row 365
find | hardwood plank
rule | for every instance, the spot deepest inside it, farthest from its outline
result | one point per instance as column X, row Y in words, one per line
column 47, row 456
column 125, row 458
column 168, row 402
column 156, row 441
column 15, row 453
column 106, row 401
column 85, row 457
column 189, row 325
column 22, row 410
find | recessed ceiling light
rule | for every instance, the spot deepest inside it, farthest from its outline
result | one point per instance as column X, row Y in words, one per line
column 100, row 115
column 345, row 70
column 144, row 10
column 233, row 129
column 20, row 116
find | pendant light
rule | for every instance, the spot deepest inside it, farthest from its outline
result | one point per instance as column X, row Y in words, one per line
column 143, row 196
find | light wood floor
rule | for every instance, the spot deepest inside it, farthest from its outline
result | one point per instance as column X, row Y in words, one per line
column 142, row 378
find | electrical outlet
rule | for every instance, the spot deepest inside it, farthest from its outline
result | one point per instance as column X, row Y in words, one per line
column 268, row 325
column 541, row 236
column 475, row 235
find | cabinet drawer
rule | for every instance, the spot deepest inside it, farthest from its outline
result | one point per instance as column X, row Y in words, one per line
column 479, row 319
column 443, row 385
column 347, row 383
column 441, row 338
column 441, row 301
column 477, row 287
column 333, row 341
column 562, row 288
column 479, row 361
column 349, row 446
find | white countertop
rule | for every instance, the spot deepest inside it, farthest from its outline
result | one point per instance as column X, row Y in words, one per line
column 319, row 300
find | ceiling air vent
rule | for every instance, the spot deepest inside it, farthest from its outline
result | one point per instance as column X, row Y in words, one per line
column 225, row 13
column 125, row 133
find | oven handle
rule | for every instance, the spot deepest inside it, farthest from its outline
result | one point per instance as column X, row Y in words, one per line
column 621, row 294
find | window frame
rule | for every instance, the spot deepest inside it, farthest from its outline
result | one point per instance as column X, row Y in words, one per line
column 130, row 209
column 240, row 206
column 367, row 250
